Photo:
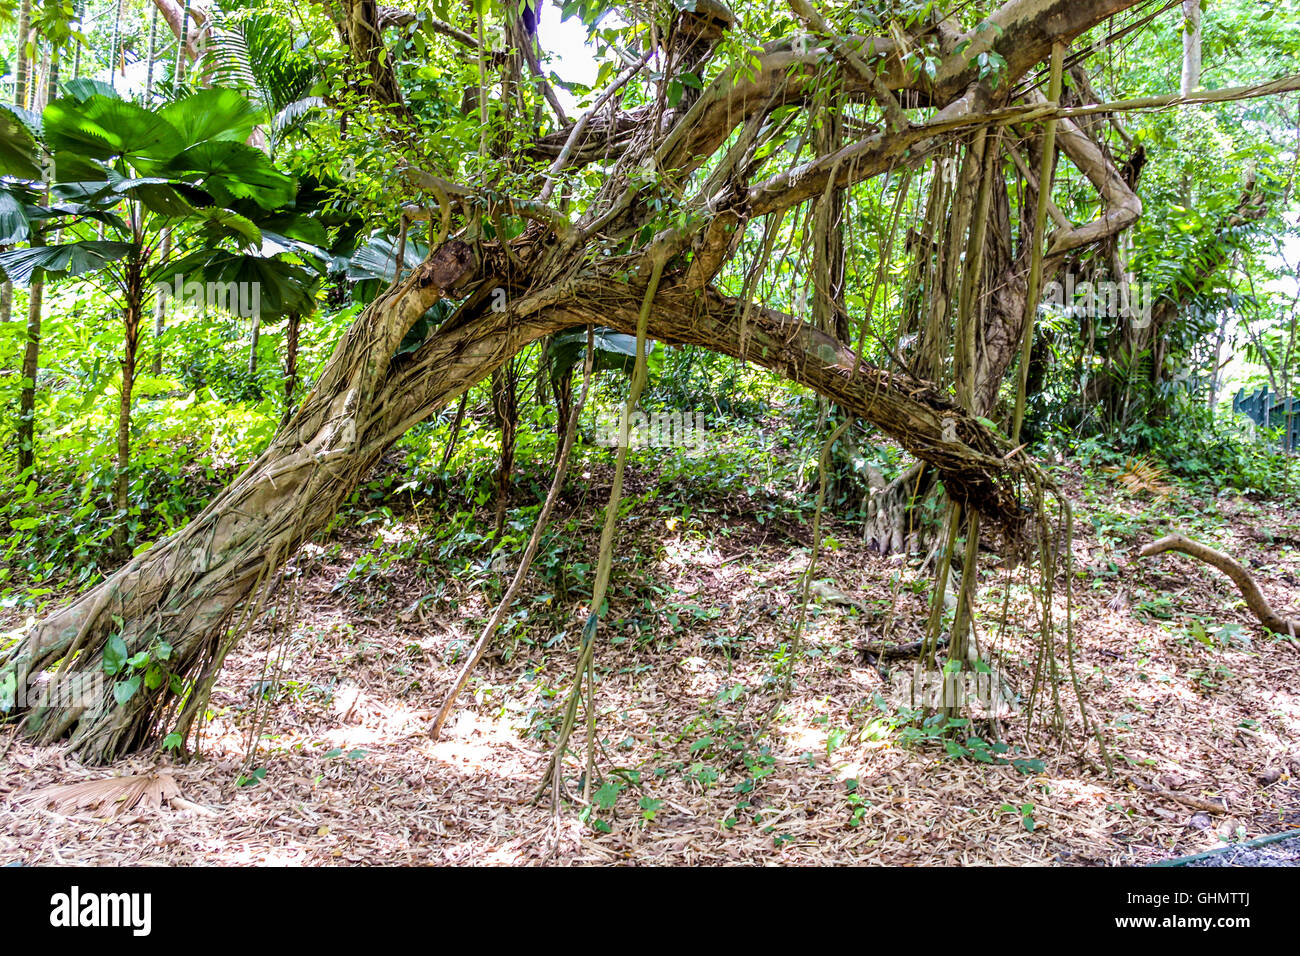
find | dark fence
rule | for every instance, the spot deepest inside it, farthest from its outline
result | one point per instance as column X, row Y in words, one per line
column 1266, row 409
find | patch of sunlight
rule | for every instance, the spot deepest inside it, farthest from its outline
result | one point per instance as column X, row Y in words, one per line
column 288, row 856
column 353, row 737
column 483, row 744
column 682, row 552
column 803, row 737
column 399, row 533
column 1077, row 791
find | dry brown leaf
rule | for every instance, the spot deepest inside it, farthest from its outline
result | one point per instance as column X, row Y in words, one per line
column 144, row 790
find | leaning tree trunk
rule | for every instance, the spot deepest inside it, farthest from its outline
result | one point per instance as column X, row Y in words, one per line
column 187, row 588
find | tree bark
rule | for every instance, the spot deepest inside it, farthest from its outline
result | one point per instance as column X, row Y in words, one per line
column 254, row 337
column 1191, row 75
column 292, row 325
column 22, row 65
column 160, row 306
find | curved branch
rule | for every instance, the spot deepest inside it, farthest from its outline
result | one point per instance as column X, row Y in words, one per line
column 1022, row 32
column 1255, row 600
column 524, row 208
column 895, row 119
column 1120, row 203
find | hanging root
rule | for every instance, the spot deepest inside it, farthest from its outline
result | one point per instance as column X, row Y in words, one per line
column 604, row 564
column 557, row 483
column 1041, row 546
column 1255, row 600
column 1053, row 541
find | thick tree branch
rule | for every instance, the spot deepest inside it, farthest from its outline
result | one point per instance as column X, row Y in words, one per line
column 1255, row 599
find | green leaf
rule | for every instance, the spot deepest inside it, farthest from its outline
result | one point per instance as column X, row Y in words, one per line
column 377, row 259
column 155, row 194
column 213, row 115
column 125, row 690
column 271, row 285
column 257, row 776
column 73, row 259
column 218, row 224
column 607, row 795
column 295, row 232
column 19, row 154
column 114, row 655
column 614, row 351
column 231, row 171
column 103, row 128
column 82, row 88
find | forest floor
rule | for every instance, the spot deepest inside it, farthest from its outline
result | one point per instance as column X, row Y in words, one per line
column 1197, row 705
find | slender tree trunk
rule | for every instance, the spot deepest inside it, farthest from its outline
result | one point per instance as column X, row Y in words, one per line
column 151, row 59
column 828, row 240
column 1191, row 75
column 131, row 320
column 252, row 345
column 20, row 99
column 41, row 76
column 160, row 311
column 290, row 364
column 32, row 347
column 1219, row 337
column 31, row 366
column 51, row 80
column 505, row 408
column 22, row 64
column 182, row 41
column 80, row 12
column 113, row 45
column 562, row 392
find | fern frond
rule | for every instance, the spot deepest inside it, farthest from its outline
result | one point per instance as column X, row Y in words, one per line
column 1142, row 475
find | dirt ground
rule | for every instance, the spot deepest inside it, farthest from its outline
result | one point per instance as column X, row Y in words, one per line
column 1198, row 708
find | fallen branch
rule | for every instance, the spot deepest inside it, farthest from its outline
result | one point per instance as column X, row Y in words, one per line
column 1255, row 600
column 1196, row 803
column 874, row 654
